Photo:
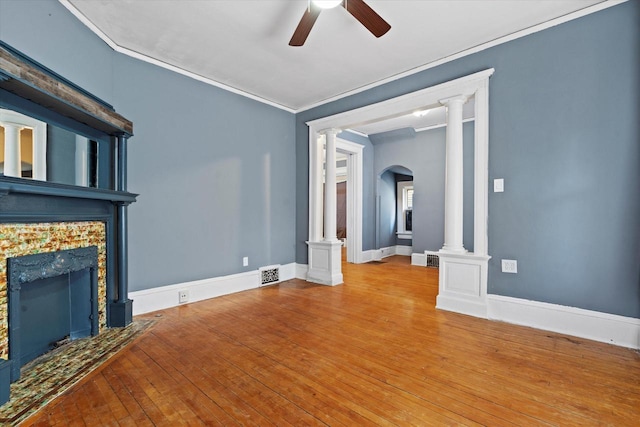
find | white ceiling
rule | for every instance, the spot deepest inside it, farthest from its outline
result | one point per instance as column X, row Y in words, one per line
column 243, row 44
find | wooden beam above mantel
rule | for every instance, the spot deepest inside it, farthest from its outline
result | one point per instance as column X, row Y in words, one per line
column 30, row 80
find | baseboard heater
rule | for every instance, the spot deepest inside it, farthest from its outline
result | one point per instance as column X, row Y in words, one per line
column 269, row 275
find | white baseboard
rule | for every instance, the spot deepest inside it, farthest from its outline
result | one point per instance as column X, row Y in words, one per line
column 608, row 328
column 378, row 254
column 419, row 259
column 301, row 271
column 404, row 250
column 154, row 299
column 367, row 256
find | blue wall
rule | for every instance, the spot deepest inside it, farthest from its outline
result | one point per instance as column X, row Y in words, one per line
column 213, row 169
column 387, row 209
column 564, row 134
column 424, row 154
column 216, row 179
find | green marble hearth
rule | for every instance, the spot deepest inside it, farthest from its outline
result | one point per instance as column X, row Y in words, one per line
column 52, row 374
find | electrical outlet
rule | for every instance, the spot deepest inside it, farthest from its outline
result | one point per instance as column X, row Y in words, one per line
column 183, row 297
column 498, row 185
column 245, row 261
column 509, row 266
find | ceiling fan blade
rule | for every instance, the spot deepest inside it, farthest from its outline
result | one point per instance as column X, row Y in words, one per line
column 304, row 27
column 368, row 17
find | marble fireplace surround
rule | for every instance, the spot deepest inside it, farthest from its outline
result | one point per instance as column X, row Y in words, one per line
column 17, row 240
column 70, row 313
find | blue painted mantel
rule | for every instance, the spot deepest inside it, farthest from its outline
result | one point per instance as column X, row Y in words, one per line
column 32, row 89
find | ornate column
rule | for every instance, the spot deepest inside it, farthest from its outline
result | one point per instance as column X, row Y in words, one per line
column 330, row 197
column 121, row 313
column 12, row 165
column 453, row 198
column 325, row 256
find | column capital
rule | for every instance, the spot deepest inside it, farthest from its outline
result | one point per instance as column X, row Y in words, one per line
column 333, row 131
column 458, row 98
column 17, row 126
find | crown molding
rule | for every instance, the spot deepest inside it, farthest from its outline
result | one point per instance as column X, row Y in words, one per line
column 518, row 34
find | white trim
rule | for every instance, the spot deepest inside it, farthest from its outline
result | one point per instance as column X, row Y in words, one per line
column 325, row 264
column 301, row 271
column 474, row 85
column 425, row 98
column 354, row 197
column 419, row 259
column 463, row 283
column 163, row 297
column 608, row 328
column 442, row 125
column 401, row 205
column 370, row 255
column 516, row 35
column 403, row 250
column 378, row 254
column 137, row 55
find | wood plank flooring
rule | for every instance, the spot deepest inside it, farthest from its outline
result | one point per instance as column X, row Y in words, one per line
column 373, row 351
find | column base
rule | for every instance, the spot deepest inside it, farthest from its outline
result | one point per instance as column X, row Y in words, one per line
column 463, row 283
column 120, row 314
column 452, row 250
column 325, row 263
column 5, row 380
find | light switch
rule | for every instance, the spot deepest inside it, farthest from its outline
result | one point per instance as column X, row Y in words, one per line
column 498, row 185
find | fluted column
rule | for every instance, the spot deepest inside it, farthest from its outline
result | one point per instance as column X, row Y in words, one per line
column 330, row 197
column 453, row 198
column 12, row 165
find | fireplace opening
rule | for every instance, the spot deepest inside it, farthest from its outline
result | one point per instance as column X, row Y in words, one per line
column 53, row 311
column 53, row 298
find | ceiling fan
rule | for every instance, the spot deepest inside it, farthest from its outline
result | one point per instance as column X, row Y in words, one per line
column 358, row 8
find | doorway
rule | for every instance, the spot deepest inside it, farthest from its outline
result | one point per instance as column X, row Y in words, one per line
column 463, row 275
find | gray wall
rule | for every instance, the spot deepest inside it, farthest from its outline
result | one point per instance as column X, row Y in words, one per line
column 387, row 209
column 424, row 154
column 564, row 134
column 213, row 169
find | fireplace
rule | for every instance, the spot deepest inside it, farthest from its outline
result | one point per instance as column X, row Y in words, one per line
column 25, row 246
column 47, row 214
column 53, row 297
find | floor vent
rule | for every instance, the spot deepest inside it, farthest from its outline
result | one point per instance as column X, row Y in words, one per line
column 433, row 260
column 269, row 275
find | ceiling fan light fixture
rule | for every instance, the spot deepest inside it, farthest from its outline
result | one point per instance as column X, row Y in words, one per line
column 327, row 4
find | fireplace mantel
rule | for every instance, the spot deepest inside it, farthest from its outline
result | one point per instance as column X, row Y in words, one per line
column 10, row 185
column 31, row 89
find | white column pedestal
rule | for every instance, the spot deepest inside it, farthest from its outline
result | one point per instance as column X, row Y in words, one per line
column 463, row 283
column 325, row 257
column 325, row 265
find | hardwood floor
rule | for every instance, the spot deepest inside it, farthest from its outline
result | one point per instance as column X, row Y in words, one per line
column 373, row 351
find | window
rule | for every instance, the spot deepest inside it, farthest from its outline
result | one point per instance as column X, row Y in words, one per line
column 404, row 198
